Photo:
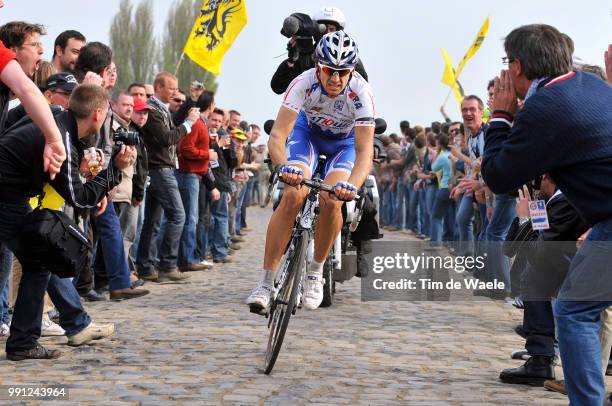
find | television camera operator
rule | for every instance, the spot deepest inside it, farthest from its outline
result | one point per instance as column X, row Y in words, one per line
column 304, row 33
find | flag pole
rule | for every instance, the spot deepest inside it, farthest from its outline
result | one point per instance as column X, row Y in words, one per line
column 447, row 96
column 178, row 65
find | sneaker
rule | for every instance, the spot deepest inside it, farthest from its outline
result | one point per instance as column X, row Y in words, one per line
column 91, row 332
column 5, row 330
column 38, row 352
column 313, row 291
column 260, row 297
column 173, row 276
column 50, row 329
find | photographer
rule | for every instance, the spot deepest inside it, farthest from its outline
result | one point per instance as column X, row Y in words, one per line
column 304, row 33
column 23, row 176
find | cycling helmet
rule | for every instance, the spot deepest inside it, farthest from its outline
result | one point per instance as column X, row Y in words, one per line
column 330, row 14
column 337, row 49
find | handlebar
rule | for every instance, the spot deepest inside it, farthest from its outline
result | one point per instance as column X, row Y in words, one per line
column 317, row 185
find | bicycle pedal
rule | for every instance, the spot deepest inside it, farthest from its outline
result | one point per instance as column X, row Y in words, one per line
column 254, row 308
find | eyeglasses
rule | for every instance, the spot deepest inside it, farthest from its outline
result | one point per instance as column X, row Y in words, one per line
column 34, row 44
column 328, row 70
column 179, row 101
column 506, row 60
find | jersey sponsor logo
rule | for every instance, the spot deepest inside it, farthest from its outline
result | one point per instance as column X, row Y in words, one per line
column 339, row 105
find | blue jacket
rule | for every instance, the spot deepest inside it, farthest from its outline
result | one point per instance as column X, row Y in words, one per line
column 565, row 130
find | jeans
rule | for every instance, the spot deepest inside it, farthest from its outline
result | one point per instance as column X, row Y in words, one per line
column 465, row 214
column 202, row 248
column 6, row 264
column 189, row 188
column 498, row 265
column 579, row 321
column 440, row 208
column 389, row 208
column 449, row 233
column 163, row 197
column 241, row 208
column 424, row 212
column 411, row 207
column 128, row 221
column 27, row 316
column 218, row 233
column 400, row 190
column 246, row 202
column 110, row 254
column 141, row 209
column 430, row 199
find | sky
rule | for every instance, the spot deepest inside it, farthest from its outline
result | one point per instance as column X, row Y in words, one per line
column 399, row 44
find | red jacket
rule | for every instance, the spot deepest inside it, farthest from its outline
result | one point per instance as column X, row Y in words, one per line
column 193, row 149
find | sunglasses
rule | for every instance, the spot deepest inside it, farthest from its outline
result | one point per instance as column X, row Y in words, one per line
column 455, row 131
column 179, row 101
column 506, row 60
column 328, row 70
column 149, row 96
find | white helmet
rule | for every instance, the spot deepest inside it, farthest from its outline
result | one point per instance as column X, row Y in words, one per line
column 332, row 14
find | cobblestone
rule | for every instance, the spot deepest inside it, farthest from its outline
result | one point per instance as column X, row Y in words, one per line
column 196, row 343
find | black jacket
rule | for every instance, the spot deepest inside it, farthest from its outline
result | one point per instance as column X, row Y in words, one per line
column 550, row 255
column 223, row 173
column 284, row 74
column 21, row 167
column 160, row 136
column 141, row 170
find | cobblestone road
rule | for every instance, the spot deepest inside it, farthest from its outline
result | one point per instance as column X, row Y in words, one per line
column 197, row 343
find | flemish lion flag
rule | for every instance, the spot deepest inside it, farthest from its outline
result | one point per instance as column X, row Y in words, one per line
column 215, row 29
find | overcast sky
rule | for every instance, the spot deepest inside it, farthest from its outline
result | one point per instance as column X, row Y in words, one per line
column 399, row 43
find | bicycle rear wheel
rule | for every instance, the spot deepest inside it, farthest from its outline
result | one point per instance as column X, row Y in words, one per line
column 285, row 301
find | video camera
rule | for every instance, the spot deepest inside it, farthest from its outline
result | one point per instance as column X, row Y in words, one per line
column 306, row 33
column 126, row 137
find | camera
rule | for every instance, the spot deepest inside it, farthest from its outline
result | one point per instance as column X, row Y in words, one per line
column 305, row 31
column 126, row 137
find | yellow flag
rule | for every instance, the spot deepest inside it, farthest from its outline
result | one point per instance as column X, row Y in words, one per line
column 474, row 47
column 449, row 78
column 215, row 29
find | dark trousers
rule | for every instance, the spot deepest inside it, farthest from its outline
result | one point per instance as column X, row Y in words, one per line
column 539, row 325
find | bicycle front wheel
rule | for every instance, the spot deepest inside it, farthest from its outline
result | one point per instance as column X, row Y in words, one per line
column 285, row 302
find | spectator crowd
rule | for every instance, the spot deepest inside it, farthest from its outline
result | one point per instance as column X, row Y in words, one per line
column 450, row 184
column 176, row 203
column 160, row 178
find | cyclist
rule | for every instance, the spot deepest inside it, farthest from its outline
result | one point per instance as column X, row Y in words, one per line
column 326, row 110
